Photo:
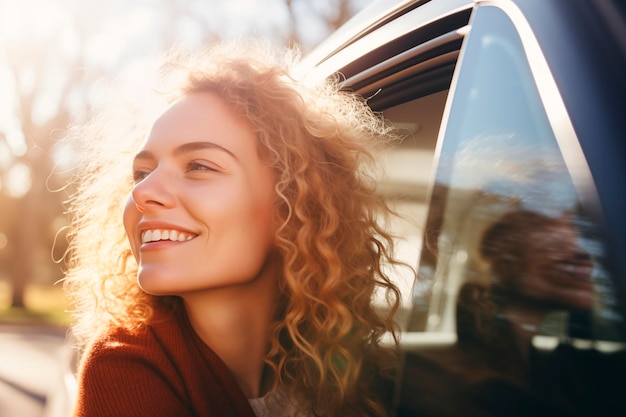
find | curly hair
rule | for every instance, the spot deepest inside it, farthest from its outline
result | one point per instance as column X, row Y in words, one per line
column 326, row 345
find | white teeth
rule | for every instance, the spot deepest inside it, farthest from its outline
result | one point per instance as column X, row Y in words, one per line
column 164, row 234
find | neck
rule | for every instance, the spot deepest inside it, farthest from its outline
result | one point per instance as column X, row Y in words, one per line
column 526, row 322
column 235, row 322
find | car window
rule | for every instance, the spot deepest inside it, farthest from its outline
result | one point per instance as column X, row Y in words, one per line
column 500, row 155
column 408, row 166
column 512, row 261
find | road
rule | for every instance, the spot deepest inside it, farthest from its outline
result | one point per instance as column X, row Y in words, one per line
column 35, row 375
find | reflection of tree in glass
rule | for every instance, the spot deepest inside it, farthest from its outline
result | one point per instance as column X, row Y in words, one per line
column 512, row 165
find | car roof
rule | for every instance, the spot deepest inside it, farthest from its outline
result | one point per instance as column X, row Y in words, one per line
column 374, row 16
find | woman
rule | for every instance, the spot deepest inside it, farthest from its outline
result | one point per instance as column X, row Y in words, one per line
column 241, row 280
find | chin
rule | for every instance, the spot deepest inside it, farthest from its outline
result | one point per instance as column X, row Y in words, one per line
column 155, row 285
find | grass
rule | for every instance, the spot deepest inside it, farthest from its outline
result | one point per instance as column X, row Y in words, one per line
column 45, row 304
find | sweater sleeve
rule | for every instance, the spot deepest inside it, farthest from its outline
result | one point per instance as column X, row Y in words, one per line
column 124, row 377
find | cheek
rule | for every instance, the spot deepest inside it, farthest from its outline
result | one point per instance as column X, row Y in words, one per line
column 250, row 204
column 264, row 215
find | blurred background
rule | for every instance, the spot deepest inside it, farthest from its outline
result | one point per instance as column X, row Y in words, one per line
column 52, row 54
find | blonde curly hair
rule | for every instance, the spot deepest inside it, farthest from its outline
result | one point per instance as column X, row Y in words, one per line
column 326, row 347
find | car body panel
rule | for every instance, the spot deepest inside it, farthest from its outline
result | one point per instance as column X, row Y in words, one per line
column 327, row 58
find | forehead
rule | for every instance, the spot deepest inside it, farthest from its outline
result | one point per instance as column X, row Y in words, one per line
column 554, row 234
column 202, row 117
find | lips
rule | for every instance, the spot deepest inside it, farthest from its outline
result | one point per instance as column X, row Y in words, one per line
column 173, row 235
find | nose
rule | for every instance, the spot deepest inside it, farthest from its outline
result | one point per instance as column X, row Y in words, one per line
column 154, row 192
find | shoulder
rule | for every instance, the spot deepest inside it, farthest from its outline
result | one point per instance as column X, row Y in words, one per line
column 134, row 372
column 158, row 344
column 167, row 345
column 161, row 369
column 119, row 351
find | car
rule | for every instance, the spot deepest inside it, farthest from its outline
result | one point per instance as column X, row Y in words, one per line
column 508, row 177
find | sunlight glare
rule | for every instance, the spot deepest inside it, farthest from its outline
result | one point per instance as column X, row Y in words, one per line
column 5, row 155
column 107, row 47
column 46, row 103
column 9, row 130
column 25, row 19
column 245, row 17
column 15, row 139
column 18, row 181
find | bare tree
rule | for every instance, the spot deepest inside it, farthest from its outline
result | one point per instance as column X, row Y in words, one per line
column 30, row 235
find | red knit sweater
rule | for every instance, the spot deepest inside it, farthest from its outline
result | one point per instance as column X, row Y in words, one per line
column 164, row 369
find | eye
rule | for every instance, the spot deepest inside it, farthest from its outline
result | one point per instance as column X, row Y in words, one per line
column 195, row 166
column 139, row 175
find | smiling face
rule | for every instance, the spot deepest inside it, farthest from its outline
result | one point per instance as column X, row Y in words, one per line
column 558, row 269
column 200, row 213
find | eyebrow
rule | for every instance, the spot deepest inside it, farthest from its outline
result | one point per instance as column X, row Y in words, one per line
column 186, row 148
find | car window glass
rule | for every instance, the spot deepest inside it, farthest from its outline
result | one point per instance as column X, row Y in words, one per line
column 499, row 156
column 407, row 169
column 511, row 263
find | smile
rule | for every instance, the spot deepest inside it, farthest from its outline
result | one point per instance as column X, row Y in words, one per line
column 156, row 235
